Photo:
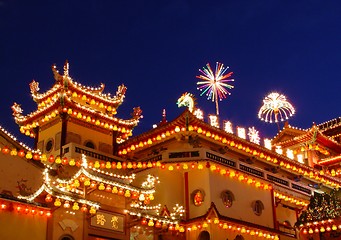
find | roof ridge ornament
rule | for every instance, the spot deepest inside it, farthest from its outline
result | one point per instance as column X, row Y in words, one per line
column 66, row 68
column 34, row 87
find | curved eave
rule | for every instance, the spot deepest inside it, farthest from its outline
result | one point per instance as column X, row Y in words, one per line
column 96, row 95
column 40, row 97
column 213, row 211
column 13, row 140
column 85, row 110
column 35, row 116
column 288, row 130
column 307, row 137
column 181, row 122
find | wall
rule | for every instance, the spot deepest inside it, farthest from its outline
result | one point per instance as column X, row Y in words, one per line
column 18, row 226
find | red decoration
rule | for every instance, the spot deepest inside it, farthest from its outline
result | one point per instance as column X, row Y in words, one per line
column 21, row 153
column 5, row 150
column 36, row 157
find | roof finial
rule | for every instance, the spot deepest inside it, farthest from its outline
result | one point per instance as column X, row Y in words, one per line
column 66, row 68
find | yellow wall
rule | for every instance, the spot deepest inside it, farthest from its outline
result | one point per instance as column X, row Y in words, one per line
column 63, row 223
column 214, row 183
column 244, row 196
column 285, row 214
column 46, row 134
column 14, row 169
column 199, row 179
column 89, row 134
column 17, row 226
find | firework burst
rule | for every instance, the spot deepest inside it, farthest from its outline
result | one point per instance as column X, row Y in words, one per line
column 215, row 84
column 275, row 108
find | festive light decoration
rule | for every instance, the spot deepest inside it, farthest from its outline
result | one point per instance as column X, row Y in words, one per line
column 322, row 206
column 253, row 135
column 187, row 100
column 291, row 199
column 214, row 84
column 70, row 99
column 275, row 108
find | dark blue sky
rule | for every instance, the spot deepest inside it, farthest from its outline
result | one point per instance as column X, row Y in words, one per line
column 156, row 48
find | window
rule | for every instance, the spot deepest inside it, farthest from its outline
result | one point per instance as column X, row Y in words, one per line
column 66, row 237
column 198, row 197
column 239, row 237
column 204, row 235
column 49, row 145
column 227, row 197
column 90, row 144
column 257, row 207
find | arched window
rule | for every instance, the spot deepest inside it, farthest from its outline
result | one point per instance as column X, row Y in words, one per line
column 204, row 235
column 257, row 207
column 89, row 144
column 66, row 237
column 49, row 145
column 227, row 197
column 239, row 237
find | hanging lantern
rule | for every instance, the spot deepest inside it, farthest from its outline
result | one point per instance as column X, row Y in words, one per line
column 43, row 158
column 114, row 190
column 48, row 198
column 13, row 152
column 144, row 221
column 72, row 162
column 150, row 223
column 157, row 224
column 58, row 160
column 127, row 193
column 75, row 206
column 66, row 204
column 87, row 182
column 57, row 202
column 92, row 210
column 21, row 153
column 108, row 188
column 84, row 208
column 101, row 186
column 120, row 192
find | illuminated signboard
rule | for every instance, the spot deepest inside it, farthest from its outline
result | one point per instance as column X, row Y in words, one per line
column 109, row 221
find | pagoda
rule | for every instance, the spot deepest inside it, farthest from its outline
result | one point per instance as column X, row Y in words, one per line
column 71, row 112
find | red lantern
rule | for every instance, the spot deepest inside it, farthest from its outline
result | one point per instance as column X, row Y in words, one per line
column 36, row 157
column 113, row 165
column 102, row 165
column 65, row 161
column 158, row 224
column 134, row 195
column 144, row 221
column 51, row 159
column 124, row 165
column 84, row 208
column 21, row 153
column 48, row 198
column 78, row 163
column 134, row 165
column 120, row 192
column 5, row 150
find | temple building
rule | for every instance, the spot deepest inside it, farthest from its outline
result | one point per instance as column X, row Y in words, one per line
column 88, row 177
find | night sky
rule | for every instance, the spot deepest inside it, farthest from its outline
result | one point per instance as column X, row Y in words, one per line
column 156, row 48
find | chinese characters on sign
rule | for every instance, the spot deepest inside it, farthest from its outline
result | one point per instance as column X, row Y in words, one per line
column 108, row 221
